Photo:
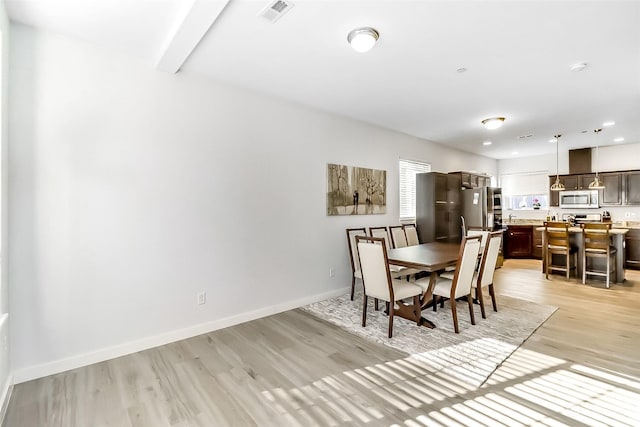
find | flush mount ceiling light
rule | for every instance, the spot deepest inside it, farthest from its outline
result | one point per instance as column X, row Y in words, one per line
column 493, row 122
column 363, row 39
column 596, row 184
column 487, row 143
column 557, row 186
column 618, row 140
column 607, row 124
column 578, row 67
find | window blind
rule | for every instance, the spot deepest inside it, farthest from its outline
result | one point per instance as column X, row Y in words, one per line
column 408, row 170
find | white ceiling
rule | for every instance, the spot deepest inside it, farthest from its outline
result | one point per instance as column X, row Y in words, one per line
column 517, row 55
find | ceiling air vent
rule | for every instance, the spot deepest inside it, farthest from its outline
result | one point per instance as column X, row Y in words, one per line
column 275, row 9
column 529, row 135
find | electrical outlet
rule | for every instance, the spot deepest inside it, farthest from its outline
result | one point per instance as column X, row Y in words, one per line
column 202, row 298
column 332, row 272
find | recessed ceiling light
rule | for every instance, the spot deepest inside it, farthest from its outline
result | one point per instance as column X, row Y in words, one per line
column 578, row 66
column 363, row 39
column 514, row 153
column 487, row 143
column 618, row 140
column 607, row 124
column 552, row 140
column 493, row 122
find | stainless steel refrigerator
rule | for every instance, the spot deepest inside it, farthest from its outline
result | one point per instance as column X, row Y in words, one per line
column 482, row 208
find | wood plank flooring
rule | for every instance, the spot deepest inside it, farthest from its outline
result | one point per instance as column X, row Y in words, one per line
column 293, row 369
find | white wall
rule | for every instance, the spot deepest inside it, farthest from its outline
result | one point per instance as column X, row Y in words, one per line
column 132, row 190
column 610, row 158
column 5, row 377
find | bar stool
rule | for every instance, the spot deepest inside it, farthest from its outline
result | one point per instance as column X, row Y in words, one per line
column 597, row 244
column 557, row 243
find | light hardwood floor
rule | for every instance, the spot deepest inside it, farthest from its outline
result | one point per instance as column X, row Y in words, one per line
column 581, row 367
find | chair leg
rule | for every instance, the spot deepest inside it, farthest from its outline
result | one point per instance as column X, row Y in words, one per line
column 568, row 265
column 364, row 311
column 584, row 268
column 472, row 315
column 480, row 299
column 416, row 309
column 375, row 304
column 608, row 271
column 492, row 292
column 454, row 314
column 391, row 307
column 435, row 303
column 548, row 261
column 353, row 286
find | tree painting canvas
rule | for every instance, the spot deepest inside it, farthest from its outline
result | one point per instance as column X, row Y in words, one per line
column 355, row 191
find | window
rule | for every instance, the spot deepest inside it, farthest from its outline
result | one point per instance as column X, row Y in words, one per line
column 525, row 191
column 408, row 170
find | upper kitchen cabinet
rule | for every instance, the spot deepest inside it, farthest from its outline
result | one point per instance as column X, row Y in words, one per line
column 611, row 194
column 632, row 188
column 472, row 180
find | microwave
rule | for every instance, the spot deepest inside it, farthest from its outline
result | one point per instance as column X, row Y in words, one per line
column 582, row 199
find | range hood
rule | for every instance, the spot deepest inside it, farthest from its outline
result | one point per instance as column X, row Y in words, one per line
column 580, row 161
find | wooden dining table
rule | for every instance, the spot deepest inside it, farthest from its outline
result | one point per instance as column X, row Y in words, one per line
column 429, row 257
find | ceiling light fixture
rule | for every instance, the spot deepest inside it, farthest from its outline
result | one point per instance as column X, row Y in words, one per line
column 557, row 186
column 607, row 124
column 596, row 184
column 618, row 140
column 578, row 66
column 487, row 143
column 363, row 39
column 493, row 122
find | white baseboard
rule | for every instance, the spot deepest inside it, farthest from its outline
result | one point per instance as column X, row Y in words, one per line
column 73, row 362
column 5, row 398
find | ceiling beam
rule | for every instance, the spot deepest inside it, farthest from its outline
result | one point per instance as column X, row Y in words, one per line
column 188, row 32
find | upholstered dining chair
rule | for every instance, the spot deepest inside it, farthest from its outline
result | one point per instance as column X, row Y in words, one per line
column 378, row 283
column 353, row 255
column 484, row 277
column 597, row 244
column 398, row 237
column 396, row 270
column 411, row 232
column 461, row 283
column 557, row 243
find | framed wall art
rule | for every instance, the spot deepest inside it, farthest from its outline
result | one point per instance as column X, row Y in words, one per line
column 355, row 191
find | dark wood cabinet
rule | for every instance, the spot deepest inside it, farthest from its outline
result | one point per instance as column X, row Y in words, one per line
column 632, row 249
column 519, row 241
column 584, row 180
column 470, row 180
column 438, row 207
column 570, row 182
column 632, row 188
column 611, row 195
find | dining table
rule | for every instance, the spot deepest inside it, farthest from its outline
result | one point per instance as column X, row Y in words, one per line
column 428, row 257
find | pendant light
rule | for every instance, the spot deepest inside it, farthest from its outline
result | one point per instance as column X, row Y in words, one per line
column 596, row 184
column 557, row 186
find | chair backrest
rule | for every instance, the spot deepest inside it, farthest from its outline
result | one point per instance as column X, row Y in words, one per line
column 411, row 232
column 374, row 265
column 353, row 250
column 557, row 234
column 482, row 233
column 398, row 238
column 381, row 232
column 489, row 259
column 596, row 237
column 466, row 266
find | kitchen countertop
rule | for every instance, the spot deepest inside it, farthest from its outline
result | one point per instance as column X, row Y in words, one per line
column 540, row 223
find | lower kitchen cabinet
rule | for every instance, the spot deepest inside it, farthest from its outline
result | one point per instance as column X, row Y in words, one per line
column 632, row 250
column 518, row 241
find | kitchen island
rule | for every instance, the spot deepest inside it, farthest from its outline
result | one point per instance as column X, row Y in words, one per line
column 577, row 241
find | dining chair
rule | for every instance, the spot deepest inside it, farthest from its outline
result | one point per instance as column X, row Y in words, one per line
column 374, row 264
column 597, row 245
column 557, row 243
column 396, row 270
column 484, row 277
column 398, row 237
column 353, row 255
column 411, row 232
column 461, row 283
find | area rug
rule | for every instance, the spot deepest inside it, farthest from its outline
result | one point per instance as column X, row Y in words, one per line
column 470, row 356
